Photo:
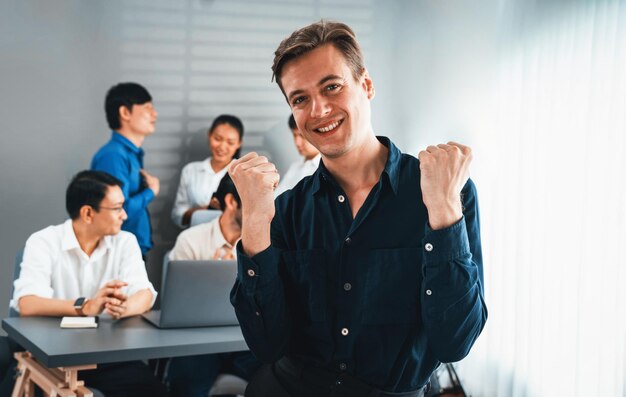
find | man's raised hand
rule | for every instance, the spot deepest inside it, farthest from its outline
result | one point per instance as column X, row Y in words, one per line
column 444, row 171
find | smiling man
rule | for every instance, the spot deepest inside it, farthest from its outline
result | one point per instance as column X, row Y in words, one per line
column 366, row 275
column 87, row 267
column 132, row 118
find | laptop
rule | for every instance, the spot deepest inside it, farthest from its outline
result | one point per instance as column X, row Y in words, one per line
column 196, row 294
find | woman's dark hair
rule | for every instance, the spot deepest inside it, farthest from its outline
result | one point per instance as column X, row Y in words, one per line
column 234, row 122
column 88, row 188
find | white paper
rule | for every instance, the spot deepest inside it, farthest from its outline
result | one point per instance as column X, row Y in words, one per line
column 79, row 322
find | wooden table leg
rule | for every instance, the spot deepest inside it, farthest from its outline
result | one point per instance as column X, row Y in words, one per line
column 61, row 382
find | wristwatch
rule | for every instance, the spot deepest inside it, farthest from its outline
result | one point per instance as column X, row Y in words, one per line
column 79, row 304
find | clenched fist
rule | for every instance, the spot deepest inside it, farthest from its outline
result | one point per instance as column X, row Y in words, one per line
column 444, row 171
column 255, row 179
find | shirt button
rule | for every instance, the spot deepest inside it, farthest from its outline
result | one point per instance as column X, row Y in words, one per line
column 338, row 382
column 341, row 198
column 257, row 313
column 429, row 292
column 348, row 241
column 428, row 247
column 344, row 331
column 251, row 273
column 343, row 366
column 347, row 286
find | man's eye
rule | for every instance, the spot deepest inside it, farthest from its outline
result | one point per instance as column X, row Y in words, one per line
column 332, row 87
column 298, row 100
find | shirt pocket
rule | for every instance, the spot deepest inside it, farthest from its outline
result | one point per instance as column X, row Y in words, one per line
column 308, row 274
column 393, row 280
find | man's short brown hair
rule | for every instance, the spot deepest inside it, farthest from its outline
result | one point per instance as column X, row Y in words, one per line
column 316, row 35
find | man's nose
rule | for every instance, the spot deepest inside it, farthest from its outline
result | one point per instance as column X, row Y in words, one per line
column 319, row 107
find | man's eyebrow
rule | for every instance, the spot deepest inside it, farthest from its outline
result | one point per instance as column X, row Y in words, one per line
column 328, row 78
column 323, row 81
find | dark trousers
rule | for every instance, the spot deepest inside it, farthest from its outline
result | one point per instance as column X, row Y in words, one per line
column 126, row 379
column 288, row 378
column 193, row 376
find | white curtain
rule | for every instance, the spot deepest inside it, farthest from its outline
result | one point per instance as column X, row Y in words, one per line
column 554, row 205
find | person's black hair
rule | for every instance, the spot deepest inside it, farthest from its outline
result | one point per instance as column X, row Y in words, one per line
column 292, row 123
column 123, row 94
column 226, row 186
column 88, row 188
column 234, row 122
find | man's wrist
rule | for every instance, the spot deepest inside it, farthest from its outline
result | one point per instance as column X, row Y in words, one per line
column 80, row 305
column 445, row 215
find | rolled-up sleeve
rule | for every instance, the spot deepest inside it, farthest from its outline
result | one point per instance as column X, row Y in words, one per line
column 133, row 269
column 35, row 271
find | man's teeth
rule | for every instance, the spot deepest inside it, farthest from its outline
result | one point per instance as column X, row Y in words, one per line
column 329, row 128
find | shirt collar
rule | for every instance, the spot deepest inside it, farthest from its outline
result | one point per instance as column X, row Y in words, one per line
column 70, row 242
column 117, row 137
column 217, row 236
column 392, row 168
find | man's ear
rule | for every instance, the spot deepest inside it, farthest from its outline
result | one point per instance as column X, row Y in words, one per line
column 124, row 113
column 230, row 201
column 367, row 84
column 87, row 213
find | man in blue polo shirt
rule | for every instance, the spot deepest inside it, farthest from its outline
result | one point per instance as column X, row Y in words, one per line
column 132, row 118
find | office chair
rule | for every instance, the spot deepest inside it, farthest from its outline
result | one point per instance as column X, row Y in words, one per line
column 203, row 216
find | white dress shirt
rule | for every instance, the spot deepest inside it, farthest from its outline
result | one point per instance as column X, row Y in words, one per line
column 197, row 184
column 202, row 242
column 54, row 265
column 296, row 172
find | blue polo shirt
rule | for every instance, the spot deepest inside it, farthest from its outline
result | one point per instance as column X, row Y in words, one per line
column 122, row 159
column 381, row 296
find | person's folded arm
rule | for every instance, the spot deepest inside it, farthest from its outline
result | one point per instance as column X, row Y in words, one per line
column 116, row 165
column 33, row 305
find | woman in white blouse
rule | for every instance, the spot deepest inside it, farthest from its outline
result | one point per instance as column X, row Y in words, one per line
column 199, row 179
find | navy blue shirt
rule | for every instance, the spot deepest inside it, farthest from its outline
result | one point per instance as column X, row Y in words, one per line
column 122, row 159
column 381, row 296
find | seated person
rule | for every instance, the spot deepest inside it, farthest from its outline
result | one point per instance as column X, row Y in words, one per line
column 304, row 167
column 194, row 376
column 199, row 179
column 215, row 239
column 89, row 258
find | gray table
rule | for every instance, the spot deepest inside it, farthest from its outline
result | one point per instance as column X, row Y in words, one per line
column 113, row 341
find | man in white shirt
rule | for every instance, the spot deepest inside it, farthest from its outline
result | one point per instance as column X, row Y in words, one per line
column 193, row 376
column 87, row 266
column 215, row 239
column 299, row 169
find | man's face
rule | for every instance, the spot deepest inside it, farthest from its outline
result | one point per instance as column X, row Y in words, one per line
column 331, row 109
column 108, row 219
column 142, row 119
column 305, row 149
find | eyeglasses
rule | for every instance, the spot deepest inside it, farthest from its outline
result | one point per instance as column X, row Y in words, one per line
column 117, row 210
